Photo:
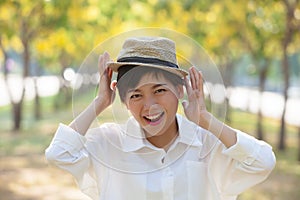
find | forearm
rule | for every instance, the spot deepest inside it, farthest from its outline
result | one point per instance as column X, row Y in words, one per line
column 84, row 120
column 226, row 134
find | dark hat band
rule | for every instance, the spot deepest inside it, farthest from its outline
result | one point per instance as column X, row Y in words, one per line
column 123, row 70
column 144, row 60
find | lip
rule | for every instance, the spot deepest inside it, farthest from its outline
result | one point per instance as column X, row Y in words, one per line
column 154, row 119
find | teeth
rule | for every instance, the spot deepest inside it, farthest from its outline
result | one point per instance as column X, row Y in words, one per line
column 153, row 117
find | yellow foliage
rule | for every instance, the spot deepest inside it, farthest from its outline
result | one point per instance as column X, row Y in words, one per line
column 60, row 38
column 6, row 12
column 42, row 46
column 55, row 43
column 212, row 42
column 16, row 44
column 75, row 12
column 90, row 22
column 92, row 13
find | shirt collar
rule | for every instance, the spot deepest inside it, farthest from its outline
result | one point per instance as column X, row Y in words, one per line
column 188, row 131
column 133, row 137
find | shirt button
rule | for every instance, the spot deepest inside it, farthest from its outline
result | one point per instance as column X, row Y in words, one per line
column 163, row 160
column 249, row 160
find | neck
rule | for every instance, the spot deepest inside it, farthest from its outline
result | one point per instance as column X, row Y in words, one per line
column 166, row 139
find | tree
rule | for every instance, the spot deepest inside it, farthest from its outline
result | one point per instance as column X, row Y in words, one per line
column 260, row 38
column 22, row 22
column 291, row 28
column 224, row 40
column 26, row 17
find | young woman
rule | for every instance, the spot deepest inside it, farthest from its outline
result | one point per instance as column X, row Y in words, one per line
column 157, row 154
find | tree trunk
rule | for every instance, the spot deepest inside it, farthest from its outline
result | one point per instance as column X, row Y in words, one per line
column 17, row 115
column 262, row 83
column 287, row 38
column 16, row 107
column 37, row 104
column 285, row 68
column 227, row 74
column 299, row 143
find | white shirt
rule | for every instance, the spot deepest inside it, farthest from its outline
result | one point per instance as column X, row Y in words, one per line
column 115, row 162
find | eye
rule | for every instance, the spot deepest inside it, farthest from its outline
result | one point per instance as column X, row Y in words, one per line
column 135, row 96
column 160, row 90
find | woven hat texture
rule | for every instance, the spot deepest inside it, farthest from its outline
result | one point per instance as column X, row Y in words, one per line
column 157, row 52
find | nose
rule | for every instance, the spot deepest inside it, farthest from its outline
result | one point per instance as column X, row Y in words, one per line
column 149, row 101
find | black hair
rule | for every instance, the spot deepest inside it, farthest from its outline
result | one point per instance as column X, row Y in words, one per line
column 133, row 74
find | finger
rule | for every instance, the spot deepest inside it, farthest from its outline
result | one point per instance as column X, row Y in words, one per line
column 101, row 68
column 106, row 57
column 103, row 59
column 201, row 84
column 192, row 77
column 184, row 104
column 110, row 72
column 188, row 86
column 197, row 78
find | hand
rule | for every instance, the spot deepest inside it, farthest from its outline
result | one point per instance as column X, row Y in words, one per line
column 106, row 88
column 105, row 97
column 195, row 108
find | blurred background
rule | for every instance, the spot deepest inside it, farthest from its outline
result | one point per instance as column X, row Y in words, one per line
column 254, row 44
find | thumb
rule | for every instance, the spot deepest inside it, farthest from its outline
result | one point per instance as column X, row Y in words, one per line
column 184, row 104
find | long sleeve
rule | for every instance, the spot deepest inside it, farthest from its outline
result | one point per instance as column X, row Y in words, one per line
column 243, row 165
column 67, row 151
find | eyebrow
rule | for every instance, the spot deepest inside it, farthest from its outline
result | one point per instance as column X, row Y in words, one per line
column 153, row 87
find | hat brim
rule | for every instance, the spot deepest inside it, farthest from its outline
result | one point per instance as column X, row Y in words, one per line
column 115, row 66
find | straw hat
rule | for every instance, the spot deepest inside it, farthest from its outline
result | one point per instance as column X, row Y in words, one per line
column 157, row 52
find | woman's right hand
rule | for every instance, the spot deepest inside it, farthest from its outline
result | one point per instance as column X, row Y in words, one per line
column 106, row 88
column 105, row 97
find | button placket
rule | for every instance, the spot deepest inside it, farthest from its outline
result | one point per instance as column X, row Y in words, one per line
column 168, row 184
column 163, row 158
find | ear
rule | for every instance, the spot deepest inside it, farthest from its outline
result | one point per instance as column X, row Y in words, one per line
column 113, row 85
column 180, row 91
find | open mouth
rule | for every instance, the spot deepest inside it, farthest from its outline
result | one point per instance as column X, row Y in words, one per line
column 153, row 118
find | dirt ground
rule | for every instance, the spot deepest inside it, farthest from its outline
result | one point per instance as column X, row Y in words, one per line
column 29, row 177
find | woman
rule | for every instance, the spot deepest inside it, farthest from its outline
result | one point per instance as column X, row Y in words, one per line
column 157, row 154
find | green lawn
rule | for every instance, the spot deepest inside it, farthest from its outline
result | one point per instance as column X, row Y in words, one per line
column 23, row 152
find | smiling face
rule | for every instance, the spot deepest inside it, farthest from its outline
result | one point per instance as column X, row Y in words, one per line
column 154, row 103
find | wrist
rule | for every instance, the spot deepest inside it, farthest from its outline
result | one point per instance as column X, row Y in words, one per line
column 100, row 103
column 205, row 120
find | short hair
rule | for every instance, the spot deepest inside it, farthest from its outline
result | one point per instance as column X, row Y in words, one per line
column 131, row 76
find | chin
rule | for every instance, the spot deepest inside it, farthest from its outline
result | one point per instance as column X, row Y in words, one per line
column 153, row 131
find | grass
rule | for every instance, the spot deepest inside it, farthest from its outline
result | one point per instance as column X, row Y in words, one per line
column 22, row 155
column 284, row 181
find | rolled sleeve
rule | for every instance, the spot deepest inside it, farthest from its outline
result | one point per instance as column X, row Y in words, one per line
column 248, row 149
column 69, row 136
column 250, row 162
column 65, row 145
column 67, row 151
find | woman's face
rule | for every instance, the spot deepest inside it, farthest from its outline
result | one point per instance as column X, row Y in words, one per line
column 154, row 103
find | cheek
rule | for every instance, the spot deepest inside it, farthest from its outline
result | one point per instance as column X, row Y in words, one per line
column 172, row 97
column 172, row 102
column 133, row 107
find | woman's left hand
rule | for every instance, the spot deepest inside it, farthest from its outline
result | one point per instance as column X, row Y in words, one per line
column 195, row 108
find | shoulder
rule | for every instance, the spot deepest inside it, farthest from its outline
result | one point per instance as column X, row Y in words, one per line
column 107, row 132
column 198, row 136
